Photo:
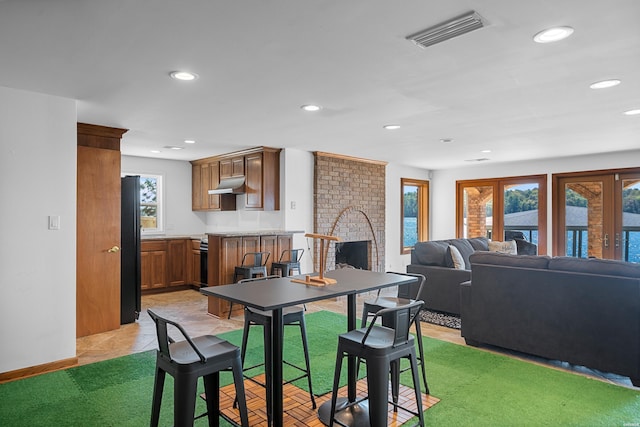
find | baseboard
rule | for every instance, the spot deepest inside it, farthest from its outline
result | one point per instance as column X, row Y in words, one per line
column 37, row 370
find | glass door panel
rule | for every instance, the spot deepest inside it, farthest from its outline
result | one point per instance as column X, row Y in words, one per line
column 627, row 239
column 521, row 211
column 477, row 211
column 587, row 217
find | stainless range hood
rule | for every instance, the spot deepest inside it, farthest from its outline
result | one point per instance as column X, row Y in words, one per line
column 233, row 185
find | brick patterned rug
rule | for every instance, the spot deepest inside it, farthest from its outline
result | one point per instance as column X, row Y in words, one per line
column 439, row 318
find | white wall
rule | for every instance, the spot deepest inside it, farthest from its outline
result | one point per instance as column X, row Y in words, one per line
column 37, row 265
column 394, row 260
column 297, row 187
column 178, row 219
column 443, row 186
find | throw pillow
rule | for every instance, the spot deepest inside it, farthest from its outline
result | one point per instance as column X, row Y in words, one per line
column 456, row 257
column 508, row 247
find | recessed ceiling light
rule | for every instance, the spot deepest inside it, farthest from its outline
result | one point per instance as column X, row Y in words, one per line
column 605, row 84
column 189, row 141
column 173, row 147
column 311, row 107
column 183, row 75
column 156, row 151
column 391, row 127
column 632, row 112
column 446, row 140
column 485, row 151
column 554, row 34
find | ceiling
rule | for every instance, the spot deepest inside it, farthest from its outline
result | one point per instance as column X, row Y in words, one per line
column 258, row 61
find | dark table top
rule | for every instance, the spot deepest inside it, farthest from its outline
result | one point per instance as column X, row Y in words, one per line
column 277, row 293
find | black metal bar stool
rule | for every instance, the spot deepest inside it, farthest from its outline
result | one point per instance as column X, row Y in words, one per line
column 188, row 360
column 253, row 263
column 382, row 347
column 289, row 261
column 372, row 306
column 291, row 316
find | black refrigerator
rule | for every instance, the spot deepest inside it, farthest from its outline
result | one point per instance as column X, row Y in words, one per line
column 130, row 250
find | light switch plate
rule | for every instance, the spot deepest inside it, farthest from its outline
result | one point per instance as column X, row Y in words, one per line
column 54, row 222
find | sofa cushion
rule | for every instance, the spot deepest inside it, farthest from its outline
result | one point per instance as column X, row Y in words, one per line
column 479, row 243
column 497, row 258
column 606, row 267
column 456, row 258
column 508, row 247
column 432, row 253
column 465, row 249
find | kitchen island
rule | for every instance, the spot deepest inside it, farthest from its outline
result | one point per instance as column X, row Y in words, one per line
column 225, row 252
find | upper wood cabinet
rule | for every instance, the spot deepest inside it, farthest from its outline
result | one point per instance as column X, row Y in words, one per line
column 205, row 175
column 261, row 168
column 232, row 167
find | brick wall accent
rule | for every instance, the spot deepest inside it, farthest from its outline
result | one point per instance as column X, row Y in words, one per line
column 349, row 202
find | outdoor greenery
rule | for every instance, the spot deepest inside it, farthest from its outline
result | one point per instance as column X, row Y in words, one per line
column 148, row 196
column 411, row 204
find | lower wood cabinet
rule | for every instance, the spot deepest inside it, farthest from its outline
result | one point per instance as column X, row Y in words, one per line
column 167, row 263
column 153, row 260
column 226, row 252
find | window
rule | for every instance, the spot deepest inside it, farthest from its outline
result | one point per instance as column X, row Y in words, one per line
column 150, row 203
column 503, row 208
column 414, row 224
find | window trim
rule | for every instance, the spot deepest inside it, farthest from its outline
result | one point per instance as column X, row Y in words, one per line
column 423, row 211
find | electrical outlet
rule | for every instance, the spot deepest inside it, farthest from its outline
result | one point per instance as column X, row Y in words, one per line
column 293, row 205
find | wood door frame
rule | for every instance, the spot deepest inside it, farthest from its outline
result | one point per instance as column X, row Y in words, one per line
column 498, row 185
column 611, row 213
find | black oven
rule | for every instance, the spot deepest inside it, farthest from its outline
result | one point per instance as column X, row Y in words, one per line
column 204, row 249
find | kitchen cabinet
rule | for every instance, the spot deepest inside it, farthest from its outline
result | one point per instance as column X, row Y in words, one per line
column 177, row 262
column 205, row 175
column 171, row 262
column 232, row 167
column 261, row 168
column 226, row 252
column 193, row 263
column 153, row 264
column 262, row 174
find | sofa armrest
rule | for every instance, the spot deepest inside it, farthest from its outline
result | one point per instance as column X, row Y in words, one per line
column 441, row 291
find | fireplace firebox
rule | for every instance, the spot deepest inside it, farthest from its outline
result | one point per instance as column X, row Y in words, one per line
column 353, row 255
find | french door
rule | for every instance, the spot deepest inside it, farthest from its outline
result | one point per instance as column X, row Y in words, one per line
column 597, row 215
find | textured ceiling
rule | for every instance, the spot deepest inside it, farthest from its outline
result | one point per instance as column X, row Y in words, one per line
column 258, row 61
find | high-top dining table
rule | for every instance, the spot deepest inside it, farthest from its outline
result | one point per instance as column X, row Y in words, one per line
column 275, row 294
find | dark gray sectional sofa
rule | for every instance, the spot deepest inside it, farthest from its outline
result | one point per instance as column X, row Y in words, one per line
column 433, row 260
column 582, row 311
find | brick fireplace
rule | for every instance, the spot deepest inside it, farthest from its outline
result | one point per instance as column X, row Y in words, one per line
column 349, row 202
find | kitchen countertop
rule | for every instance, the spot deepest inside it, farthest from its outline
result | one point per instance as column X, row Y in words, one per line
column 254, row 233
column 173, row 237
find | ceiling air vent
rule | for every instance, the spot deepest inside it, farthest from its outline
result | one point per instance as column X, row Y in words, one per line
column 447, row 30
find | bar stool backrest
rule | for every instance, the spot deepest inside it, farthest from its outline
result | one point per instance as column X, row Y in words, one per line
column 164, row 339
column 402, row 316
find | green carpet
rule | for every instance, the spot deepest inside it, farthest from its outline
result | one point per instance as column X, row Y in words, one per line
column 475, row 387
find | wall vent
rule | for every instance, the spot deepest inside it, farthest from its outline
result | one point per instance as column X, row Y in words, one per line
column 447, row 30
